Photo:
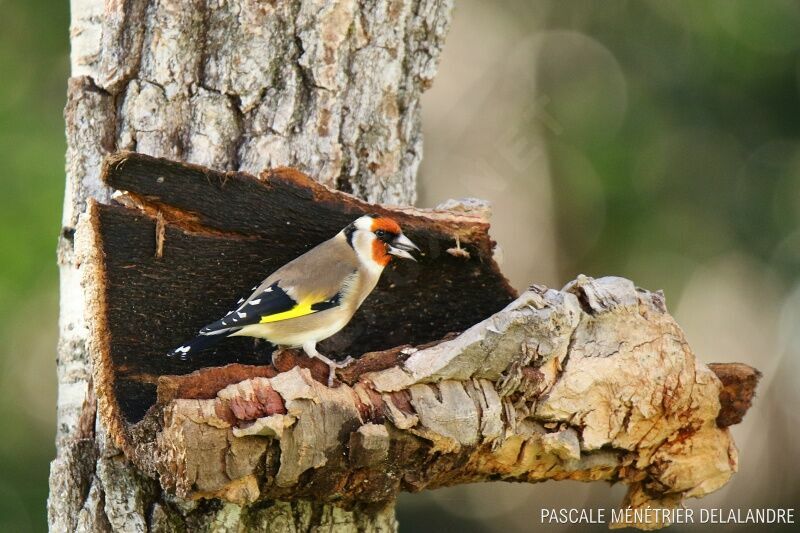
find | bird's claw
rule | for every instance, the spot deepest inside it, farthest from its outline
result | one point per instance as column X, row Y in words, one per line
column 333, row 366
column 311, row 351
column 331, row 375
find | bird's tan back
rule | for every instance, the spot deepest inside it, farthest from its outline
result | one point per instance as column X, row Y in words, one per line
column 318, row 273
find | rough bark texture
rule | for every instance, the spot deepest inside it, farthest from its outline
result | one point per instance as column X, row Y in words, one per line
column 593, row 382
column 331, row 88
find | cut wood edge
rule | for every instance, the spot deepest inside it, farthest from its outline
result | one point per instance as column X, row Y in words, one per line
column 88, row 251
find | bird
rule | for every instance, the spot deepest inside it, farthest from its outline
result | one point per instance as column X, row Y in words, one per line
column 315, row 295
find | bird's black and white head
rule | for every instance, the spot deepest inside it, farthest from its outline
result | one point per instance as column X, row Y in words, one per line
column 376, row 239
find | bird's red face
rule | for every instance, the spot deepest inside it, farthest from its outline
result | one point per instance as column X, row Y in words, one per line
column 389, row 241
column 377, row 238
column 385, row 230
column 386, row 224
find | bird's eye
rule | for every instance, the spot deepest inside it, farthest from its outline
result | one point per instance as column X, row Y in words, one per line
column 384, row 235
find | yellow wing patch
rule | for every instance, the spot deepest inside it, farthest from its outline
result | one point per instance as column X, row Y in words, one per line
column 301, row 309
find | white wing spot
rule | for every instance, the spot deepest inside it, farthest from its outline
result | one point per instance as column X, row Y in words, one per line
column 183, row 349
column 255, row 302
column 240, row 300
column 268, row 289
column 242, row 315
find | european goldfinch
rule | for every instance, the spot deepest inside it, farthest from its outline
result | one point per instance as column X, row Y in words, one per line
column 314, row 296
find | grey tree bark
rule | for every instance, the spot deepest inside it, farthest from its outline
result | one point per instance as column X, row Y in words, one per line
column 331, row 88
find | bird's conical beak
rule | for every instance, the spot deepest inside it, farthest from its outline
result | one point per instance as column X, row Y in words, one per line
column 400, row 247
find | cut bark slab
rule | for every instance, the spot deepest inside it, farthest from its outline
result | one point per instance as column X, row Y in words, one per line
column 184, row 243
column 456, row 381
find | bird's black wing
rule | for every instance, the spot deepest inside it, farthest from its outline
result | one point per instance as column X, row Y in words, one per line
column 269, row 303
column 265, row 302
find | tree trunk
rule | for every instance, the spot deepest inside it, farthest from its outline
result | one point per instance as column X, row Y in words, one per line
column 330, row 88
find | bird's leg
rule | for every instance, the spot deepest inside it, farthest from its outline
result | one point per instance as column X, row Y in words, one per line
column 311, row 350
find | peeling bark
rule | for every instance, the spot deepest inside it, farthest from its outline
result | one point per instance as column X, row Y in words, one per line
column 332, row 89
column 592, row 383
column 544, row 389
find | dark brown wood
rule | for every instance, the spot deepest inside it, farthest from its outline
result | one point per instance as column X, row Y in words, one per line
column 739, row 383
column 205, row 383
column 190, row 241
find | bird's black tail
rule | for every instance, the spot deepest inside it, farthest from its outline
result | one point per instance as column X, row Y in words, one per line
column 198, row 344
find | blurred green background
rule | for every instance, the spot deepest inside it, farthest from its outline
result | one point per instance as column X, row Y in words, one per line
column 34, row 65
column 657, row 140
